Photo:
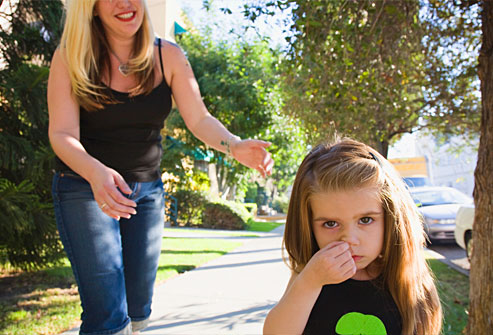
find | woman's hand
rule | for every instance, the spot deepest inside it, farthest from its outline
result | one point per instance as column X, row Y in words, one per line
column 252, row 154
column 107, row 185
column 332, row 264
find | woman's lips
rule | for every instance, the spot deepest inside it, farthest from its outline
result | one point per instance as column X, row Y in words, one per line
column 356, row 257
column 127, row 16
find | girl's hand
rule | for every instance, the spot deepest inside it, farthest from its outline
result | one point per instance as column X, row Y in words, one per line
column 106, row 185
column 332, row 264
column 252, row 154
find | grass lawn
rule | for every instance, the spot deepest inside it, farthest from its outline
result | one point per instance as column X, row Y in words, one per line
column 183, row 254
column 41, row 302
column 209, row 232
column 453, row 289
column 47, row 301
column 264, row 226
column 261, row 226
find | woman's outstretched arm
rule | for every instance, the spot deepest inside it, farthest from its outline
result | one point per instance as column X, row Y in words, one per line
column 201, row 123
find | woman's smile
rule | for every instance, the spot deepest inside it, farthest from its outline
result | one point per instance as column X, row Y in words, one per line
column 127, row 16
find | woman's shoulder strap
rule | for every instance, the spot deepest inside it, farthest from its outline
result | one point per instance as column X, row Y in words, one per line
column 158, row 40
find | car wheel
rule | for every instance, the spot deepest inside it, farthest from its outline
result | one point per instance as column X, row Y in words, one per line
column 469, row 244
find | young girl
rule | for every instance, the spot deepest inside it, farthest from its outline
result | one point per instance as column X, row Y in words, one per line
column 354, row 239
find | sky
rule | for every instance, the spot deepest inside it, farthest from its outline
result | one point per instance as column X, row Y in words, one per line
column 221, row 23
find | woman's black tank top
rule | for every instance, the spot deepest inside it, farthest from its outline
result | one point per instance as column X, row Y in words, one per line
column 127, row 136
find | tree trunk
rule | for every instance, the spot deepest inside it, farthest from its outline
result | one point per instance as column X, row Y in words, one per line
column 481, row 276
column 211, row 171
column 382, row 147
column 231, row 193
column 222, row 177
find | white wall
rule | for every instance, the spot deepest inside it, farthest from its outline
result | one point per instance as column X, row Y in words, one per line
column 164, row 13
column 448, row 166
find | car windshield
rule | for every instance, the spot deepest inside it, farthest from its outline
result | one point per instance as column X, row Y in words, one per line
column 440, row 197
column 417, row 181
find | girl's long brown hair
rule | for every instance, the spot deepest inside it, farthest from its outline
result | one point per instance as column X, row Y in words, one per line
column 348, row 164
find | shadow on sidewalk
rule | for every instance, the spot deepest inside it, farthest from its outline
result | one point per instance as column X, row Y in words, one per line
column 252, row 251
column 211, row 267
column 254, row 314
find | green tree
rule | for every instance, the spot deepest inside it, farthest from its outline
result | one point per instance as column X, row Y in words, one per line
column 238, row 85
column 288, row 150
column 28, row 238
column 451, row 40
column 375, row 70
column 355, row 66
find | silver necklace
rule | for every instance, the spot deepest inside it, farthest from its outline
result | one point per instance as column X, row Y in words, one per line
column 123, row 67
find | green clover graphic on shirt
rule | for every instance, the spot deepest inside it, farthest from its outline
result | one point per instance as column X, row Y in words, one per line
column 360, row 324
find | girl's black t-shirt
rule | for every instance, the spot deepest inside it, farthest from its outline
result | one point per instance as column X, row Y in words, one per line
column 354, row 307
column 127, row 136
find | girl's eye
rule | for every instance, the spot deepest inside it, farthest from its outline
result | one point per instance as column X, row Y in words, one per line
column 330, row 224
column 366, row 220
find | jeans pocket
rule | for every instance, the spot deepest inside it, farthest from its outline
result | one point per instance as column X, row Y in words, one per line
column 70, row 186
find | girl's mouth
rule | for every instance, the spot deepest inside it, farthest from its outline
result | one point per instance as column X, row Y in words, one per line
column 356, row 257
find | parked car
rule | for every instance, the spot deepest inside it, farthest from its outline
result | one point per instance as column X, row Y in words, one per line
column 417, row 181
column 439, row 205
column 463, row 228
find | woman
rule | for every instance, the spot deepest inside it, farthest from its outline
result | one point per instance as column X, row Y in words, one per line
column 109, row 92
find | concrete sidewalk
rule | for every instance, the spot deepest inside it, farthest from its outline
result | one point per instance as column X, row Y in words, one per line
column 229, row 295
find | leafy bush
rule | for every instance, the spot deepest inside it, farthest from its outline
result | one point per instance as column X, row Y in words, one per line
column 250, row 207
column 251, row 193
column 262, row 197
column 281, row 204
column 29, row 240
column 200, row 181
column 225, row 215
column 190, row 206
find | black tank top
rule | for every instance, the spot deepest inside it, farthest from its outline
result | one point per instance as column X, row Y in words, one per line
column 127, row 136
column 354, row 307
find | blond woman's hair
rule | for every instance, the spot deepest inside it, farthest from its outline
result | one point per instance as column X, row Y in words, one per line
column 345, row 165
column 86, row 50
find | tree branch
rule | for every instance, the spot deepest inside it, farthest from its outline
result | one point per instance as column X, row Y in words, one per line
column 378, row 17
column 466, row 3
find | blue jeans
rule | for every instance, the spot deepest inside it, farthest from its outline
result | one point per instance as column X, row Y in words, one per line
column 114, row 262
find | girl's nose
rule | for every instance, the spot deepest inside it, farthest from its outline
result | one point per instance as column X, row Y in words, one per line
column 350, row 236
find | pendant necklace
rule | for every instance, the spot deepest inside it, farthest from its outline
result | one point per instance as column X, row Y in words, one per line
column 123, row 67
